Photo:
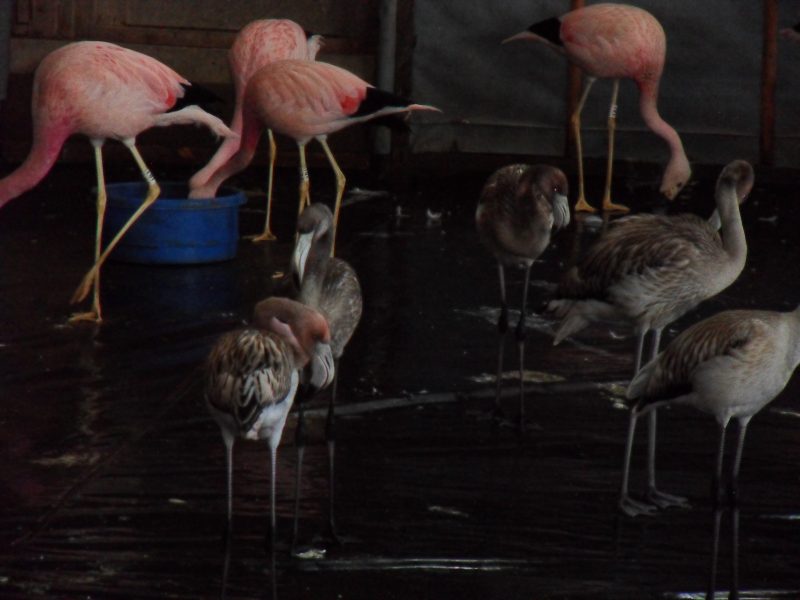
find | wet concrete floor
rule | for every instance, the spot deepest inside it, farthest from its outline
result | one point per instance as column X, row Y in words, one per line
column 113, row 483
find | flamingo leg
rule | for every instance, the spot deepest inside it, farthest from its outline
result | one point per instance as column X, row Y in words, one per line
column 626, row 504
column 273, row 448
column 330, row 435
column 520, row 335
column 733, row 491
column 658, row 498
column 609, row 206
column 300, row 444
column 95, row 314
column 734, row 590
column 152, row 193
column 715, row 483
column 502, row 328
column 228, row 439
column 305, row 198
column 267, row 235
column 712, row 577
column 575, row 120
column 340, row 183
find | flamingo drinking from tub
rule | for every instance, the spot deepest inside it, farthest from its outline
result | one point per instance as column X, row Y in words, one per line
column 257, row 44
column 305, row 100
column 102, row 91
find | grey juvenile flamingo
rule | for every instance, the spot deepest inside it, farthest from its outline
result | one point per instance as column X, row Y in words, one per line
column 730, row 365
column 329, row 285
column 518, row 209
column 649, row 270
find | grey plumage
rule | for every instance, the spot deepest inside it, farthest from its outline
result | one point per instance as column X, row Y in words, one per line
column 519, row 207
column 247, row 370
column 328, row 284
column 730, row 365
column 652, row 269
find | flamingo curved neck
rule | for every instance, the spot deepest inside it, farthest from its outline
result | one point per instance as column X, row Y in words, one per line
column 648, row 94
column 317, row 261
column 732, row 230
column 38, row 163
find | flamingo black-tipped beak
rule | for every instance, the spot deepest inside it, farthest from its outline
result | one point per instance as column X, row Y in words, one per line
column 522, row 35
column 322, row 367
column 560, row 211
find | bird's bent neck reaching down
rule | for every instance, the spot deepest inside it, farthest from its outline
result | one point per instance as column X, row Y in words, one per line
column 677, row 171
column 39, row 161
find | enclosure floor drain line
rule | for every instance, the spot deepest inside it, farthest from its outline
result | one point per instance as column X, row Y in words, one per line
column 557, row 387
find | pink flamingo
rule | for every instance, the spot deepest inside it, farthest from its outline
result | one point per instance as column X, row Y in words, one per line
column 257, row 44
column 305, row 100
column 614, row 41
column 102, row 91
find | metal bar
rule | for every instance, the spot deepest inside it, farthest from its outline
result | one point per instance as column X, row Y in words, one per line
column 387, row 56
column 769, row 70
column 574, row 77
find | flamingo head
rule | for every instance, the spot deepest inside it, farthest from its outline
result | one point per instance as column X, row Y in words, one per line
column 676, row 176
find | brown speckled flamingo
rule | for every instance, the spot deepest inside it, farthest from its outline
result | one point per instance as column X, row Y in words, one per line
column 649, row 270
column 614, row 41
column 730, row 365
column 305, row 100
column 101, row 91
column 252, row 375
column 518, row 209
column 257, row 44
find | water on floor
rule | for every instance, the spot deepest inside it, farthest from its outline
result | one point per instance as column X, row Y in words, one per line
column 113, row 481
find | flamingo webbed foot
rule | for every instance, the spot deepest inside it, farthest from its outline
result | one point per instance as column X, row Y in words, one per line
column 267, row 236
column 664, row 500
column 609, row 206
column 583, row 206
column 634, row 508
column 90, row 316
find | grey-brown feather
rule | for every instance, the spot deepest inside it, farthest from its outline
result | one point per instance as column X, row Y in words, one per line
column 515, row 213
column 247, row 370
column 670, row 259
column 336, row 293
column 745, row 335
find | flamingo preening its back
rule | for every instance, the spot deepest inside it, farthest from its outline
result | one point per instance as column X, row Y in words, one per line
column 305, row 100
column 257, row 44
column 615, row 41
column 730, row 365
column 102, row 91
column 649, row 270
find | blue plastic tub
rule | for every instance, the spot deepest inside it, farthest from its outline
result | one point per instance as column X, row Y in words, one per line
column 175, row 229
